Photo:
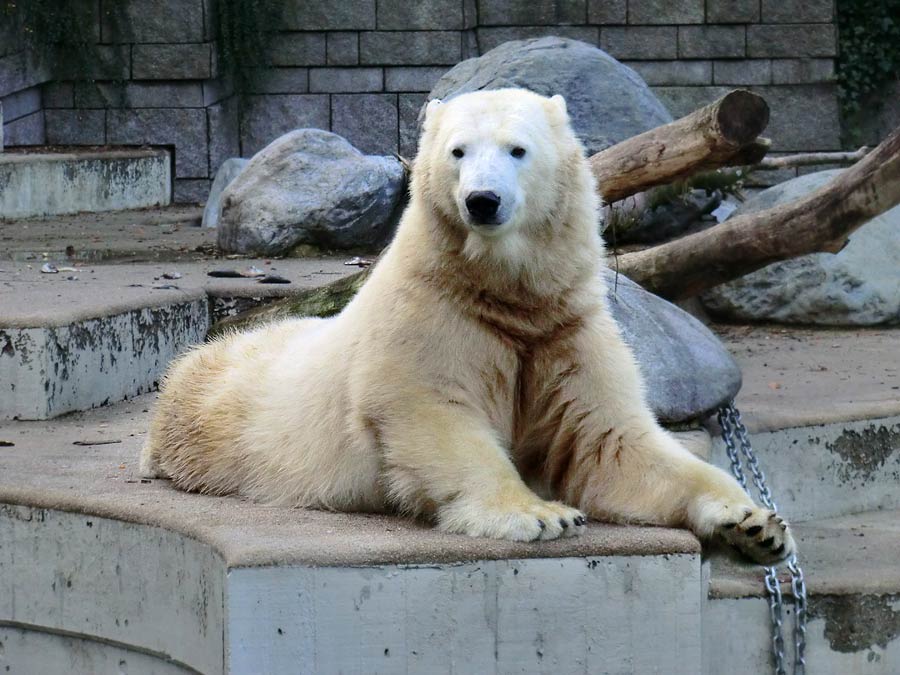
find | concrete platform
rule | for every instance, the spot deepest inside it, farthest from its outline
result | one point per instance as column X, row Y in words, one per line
column 75, row 340
column 50, row 181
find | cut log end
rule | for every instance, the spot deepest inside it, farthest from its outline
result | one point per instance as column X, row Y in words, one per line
column 741, row 116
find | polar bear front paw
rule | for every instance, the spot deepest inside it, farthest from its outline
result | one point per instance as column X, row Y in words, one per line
column 760, row 534
column 532, row 520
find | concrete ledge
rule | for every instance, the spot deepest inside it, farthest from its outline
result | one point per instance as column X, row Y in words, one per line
column 34, row 184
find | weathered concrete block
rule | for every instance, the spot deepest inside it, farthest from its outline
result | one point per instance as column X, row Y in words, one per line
column 733, row 11
column 271, row 116
column 673, row 72
column 665, row 11
column 411, row 78
column 410, row 48
column 743, row 72
column 531, row 12
column 40, row 184
column 217, row 89
column 298, row 49
column 681, row 101
column 802, row 71
column 22, row 103
column 489, row 38
column 421, row 15
column 797, row 11
column 368, row 121
column 75, row 127
column 607, row 11
column 138, row 95
column 795, row 40
column 191, row 190
column 697, row 42
column 803, row 117
column 345, row 80
column 409, row 107
column 20, row 71
column 58, row 95
column 224, row 133
column 89, row 362
column 279, row 81
column 160, row 21
column 329, row 15
column 342, row 49
column 640, row 42
column 28, row 130
column 172, row 62
column 109, row 62
column 185, row 128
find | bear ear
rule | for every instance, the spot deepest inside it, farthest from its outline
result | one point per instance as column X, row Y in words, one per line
column 433, row 104
column 559, row 102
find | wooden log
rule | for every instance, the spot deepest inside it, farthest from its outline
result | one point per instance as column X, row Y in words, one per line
column 821, row 221
column 723, row 133
column 811, row 159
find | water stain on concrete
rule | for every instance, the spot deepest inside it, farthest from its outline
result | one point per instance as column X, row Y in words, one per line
column 865, row 453
column 854, row 623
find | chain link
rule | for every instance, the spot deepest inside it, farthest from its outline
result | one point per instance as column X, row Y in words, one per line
column 730, row 421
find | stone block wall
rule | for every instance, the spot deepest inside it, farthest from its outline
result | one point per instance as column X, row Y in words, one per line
column 362, row 68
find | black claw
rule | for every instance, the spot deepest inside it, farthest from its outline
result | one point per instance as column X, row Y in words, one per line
column 563, row 524
column 773, row 515
column 767, row 542
column 779, row 550
column 747, row 514
column 783, row 527
column 542, row 524
column 729, row 526
column 753, row 531
column 580, row 520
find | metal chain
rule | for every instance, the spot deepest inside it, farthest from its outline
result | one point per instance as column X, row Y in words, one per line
column 730, row 421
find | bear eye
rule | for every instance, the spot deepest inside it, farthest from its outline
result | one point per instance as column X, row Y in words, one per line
column 517, row 152
column 458, row 153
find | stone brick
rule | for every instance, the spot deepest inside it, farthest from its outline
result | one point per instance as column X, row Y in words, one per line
column 21, row 71
column 607, row 11
column 411, row 78
column 410, row 48
column 279, row 81
column 681, row 101
column 410, row 105
column 217, row 90
column 298, row 49
column 110, row 62
column 271, row 116
column 329, row 15
column 159, row 21
column 732, row 11
column 58, row 95
column 673, row 72
column 75, row 127
column 640, row 42
column 795, row 40
column 665, row 11
column 797, row 71
column 21, row 103
column 138, row 95
column 342, row 49
column 804, row 117
column 368, row 121
column 420, row 15
column 224, row 133
column 185, row 128
column 191, row 190
column 716, row 42
column 798, row 11
column 470, row 13
column 744, row 71
column 488, row 38
column 531, row 12
column 172, row 62
column 470, row 44
column 345, row 80
column 28, row 130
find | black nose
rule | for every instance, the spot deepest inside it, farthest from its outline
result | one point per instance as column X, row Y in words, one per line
column 483, row 206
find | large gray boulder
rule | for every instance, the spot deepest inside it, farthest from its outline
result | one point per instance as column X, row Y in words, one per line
column 311, row 187
column 859, row 286
column 687, row 370
column 607, row 101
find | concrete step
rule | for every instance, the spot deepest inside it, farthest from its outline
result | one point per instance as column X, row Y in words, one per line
column 40, row 181
column 853, row 580
column 95, row 561
column 103, row 333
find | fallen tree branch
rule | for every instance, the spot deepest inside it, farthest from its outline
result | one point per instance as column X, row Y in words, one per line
column 811, row 159
column 723, row 133
column 821, row 221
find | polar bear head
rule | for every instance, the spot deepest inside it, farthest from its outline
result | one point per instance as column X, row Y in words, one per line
column 500, row 164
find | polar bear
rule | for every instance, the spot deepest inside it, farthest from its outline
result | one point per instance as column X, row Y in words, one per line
column 477, row 379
